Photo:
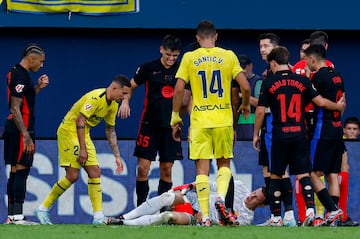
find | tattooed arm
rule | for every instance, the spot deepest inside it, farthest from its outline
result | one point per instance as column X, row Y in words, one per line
column 19, row 122
column 112, row 139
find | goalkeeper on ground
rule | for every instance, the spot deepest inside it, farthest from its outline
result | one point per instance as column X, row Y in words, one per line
column 185, row 207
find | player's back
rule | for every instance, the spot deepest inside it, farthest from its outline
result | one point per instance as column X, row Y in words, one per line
column 287, row 94
column 330, row 85
column 210, row 72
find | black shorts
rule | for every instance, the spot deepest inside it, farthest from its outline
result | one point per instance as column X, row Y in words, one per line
column 265, row 141
column 290, row 152
column 310, row 120
column 14, row 146
column 153, row 140
column 327, row 155
column 264, row 154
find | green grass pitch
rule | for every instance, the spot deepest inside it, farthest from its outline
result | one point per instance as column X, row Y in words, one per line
column 81, row 231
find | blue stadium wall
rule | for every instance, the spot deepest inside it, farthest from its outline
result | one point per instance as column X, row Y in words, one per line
column 78, row 60
column 119, row 189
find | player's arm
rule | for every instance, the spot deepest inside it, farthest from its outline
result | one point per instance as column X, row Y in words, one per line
column 187, row 103
column 176, row 120
column 15, row 110
column 259, row 119
column 235, row 102
column 124, row 109
column 112, row 140
column 330, row 105
column 80, row 130
column 245, row 94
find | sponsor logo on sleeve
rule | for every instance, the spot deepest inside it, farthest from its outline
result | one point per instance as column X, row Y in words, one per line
column 19, row 88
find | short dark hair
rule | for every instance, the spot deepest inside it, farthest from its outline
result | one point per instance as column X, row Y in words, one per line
column 171, row 42
column 305, row 41
column 265, row 192
column 206, row 29
column 318, row 50
column 122, row 80
column 352, row 120
column 279, row 54
column 319, row 37
column 274, row 39
column 244, row 60
column 32, row 48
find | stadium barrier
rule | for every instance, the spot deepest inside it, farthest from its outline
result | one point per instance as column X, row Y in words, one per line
column 119, row 196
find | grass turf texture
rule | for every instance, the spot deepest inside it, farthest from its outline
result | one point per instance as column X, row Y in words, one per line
column 81, row 231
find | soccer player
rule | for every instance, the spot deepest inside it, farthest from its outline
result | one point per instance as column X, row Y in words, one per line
column 304, row 44
column 321, row 38
column 301, row 68
column 19, row 132
column 154, row 135
column 76, row 149
column 210, row 70
column 327, row 145
column 287, row 94
column 185, row 207
column 267, row 42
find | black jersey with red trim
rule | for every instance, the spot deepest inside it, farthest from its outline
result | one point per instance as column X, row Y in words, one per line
column 329, row 83
column 19, row 84
column 287, row 94
column 159, row 91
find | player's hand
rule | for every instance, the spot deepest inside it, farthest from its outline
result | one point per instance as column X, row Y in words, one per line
column 264, row 74
column 176, row 122
column 124, row 109
column 29, row 144
column 256, row 142
column 43, row 81
column 119, row 165
column 176, row 132
column 82, row 158
column 342, row 104
column 244, row 110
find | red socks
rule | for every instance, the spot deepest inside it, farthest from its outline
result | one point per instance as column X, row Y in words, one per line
column 300, row 202
column 344, row 192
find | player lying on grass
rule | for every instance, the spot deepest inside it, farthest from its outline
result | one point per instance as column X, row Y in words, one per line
column 185, row 207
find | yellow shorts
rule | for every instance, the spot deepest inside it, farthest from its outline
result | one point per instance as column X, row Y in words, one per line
column 68, row 146
column 211, row 143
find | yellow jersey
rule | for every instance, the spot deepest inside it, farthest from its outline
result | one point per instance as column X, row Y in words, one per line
column 94, row 106
column 210, row 72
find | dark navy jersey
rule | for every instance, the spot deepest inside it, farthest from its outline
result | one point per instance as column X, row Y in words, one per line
column 159, row 89
column 330, row 85
column 287, row 94
column 19, row 84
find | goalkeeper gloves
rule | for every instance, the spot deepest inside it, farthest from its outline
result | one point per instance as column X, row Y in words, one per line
column 184, row 188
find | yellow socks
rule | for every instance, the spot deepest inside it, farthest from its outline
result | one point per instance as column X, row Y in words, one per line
column 222, row 180
column 203, row 193
column 95, row 194
column 320, row 210
column 59, row 188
